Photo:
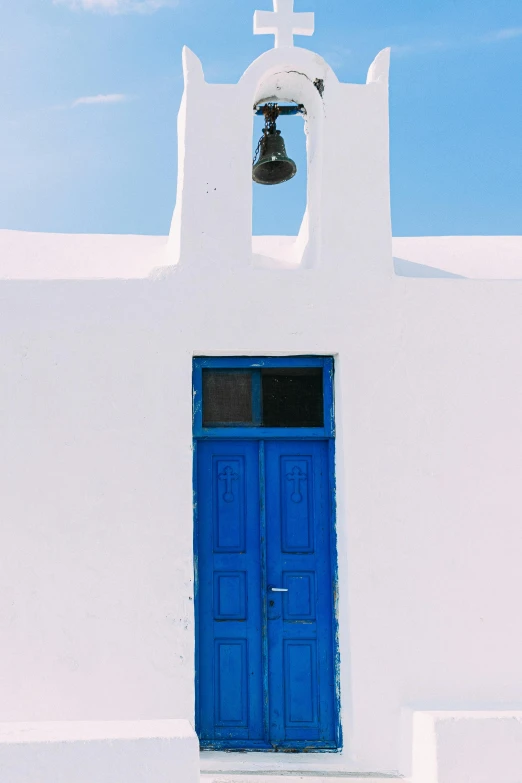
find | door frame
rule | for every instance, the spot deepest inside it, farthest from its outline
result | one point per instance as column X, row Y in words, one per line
column 327, row 432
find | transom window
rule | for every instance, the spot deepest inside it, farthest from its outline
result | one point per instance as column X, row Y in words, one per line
column 275, row 397
column 269, row 393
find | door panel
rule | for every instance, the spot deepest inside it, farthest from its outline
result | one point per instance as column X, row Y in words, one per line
column 300, row 633
column 230, row 595
column 265, row 684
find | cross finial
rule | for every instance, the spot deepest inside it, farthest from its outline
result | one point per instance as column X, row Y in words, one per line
column 283, row 23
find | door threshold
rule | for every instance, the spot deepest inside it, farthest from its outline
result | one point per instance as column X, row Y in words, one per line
column 289, row 777
column 303, row 777
column 305, row 765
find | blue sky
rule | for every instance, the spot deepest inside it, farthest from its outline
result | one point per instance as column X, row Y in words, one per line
column 90, row 90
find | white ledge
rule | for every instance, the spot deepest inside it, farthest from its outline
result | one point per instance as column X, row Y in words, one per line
column 38, row 256
column 149, row 751
column 88, row 731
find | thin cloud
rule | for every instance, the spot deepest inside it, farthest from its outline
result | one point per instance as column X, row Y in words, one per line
column 90, row 100
column 503, row 35
column 118, row 6
column 422, row 47
column 428, row 46
column 337, row 56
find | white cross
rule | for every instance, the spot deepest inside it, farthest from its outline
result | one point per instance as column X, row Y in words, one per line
column 283, row 23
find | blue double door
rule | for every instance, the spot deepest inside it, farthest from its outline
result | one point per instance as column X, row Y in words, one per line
column 266, row 586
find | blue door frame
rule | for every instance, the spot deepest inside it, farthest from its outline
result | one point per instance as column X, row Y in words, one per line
column 254, row 690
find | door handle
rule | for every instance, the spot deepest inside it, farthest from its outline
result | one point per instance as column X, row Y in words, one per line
column 279, row 589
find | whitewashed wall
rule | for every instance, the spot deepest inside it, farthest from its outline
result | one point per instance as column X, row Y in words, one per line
column 96, row 575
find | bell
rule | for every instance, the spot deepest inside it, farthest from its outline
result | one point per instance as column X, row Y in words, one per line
column 273, row 165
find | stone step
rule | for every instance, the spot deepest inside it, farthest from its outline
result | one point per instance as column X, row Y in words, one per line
column 220, row 767
column 301, row 777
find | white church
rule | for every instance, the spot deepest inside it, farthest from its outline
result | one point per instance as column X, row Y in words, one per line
column 262, row 495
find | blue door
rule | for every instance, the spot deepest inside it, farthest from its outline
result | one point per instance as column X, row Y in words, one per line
column 301, row 683
column 230, row 598
column 265, row 573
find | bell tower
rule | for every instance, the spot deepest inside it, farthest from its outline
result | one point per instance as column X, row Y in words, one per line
column 347, row 220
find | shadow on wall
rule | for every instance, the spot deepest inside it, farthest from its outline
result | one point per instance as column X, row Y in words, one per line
column 404, row 268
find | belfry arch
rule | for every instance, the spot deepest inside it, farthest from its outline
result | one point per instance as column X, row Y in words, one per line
column 288, row 85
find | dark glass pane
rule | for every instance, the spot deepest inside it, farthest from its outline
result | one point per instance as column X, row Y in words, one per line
column 293, row 397
column 227, row 397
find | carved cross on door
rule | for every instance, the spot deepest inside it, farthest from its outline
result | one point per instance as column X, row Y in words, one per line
column 228, row 476
column 296, row 475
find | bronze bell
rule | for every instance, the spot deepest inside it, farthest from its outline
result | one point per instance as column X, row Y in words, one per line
column 273, row 165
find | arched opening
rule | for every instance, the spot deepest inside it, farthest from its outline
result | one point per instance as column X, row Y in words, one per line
column 286, row 222
column 278, row 210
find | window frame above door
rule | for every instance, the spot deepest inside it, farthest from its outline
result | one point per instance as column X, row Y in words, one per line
column 265, row 362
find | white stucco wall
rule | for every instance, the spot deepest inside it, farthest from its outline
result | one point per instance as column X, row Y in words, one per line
column 161, row 751
column 462, row 746
column 96, row 577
